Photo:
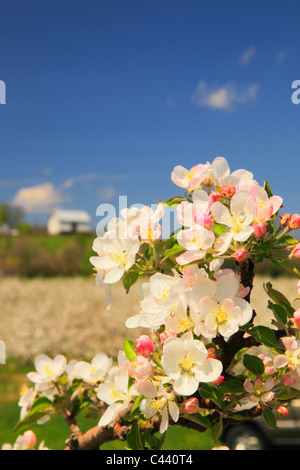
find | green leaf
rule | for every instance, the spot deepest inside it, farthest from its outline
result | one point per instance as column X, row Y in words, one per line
column 199, row 419
column 174, row 201
column 130, row 278
column 287, row 394
column 279, row 313
column 278, row 298
column 269, row 417
column 134, row 437
column 264, row 335
column 130, row 350
column 209, row 392
column 263, row 249
column 286, row 265
column 267, row 188
column 220, row 228
column 232, row 386
column 218, row 428
column 29, row 420
column 254, row 364
column 287, row 240
column 175, row 250
column 40, row 404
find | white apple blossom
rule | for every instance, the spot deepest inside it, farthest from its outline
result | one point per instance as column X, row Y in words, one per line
column 164, row 296
column 291, row 358
column 140, row 222
column 26, row 401
column 222, row 311
column 265, row 206
column 189, row 179
column 96, row 371
column 158, row 402
column 47, row 369
column 240, row 216
column 196, row 240
column 189, row 214
column 259, row 392
column 185, row 361
column 115, row 256
column 116, row 395
column 219, row 174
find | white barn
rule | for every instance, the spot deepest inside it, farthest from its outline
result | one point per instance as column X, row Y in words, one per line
column 69, row 221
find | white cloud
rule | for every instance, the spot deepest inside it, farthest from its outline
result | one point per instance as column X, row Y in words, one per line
column 84, row 178
column 106, row 193
column 247, row 56
column 40, row 199
column 226, row 97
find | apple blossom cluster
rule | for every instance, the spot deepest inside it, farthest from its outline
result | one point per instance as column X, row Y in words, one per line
column 194, row 361
column 27, row 441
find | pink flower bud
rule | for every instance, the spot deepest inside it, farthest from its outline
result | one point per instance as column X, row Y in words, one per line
column 29, row 439
column 296, row 252
column 260, row 229
column 192, row 405
column 227, row 191
column 140, row 369
column 282, row 410
column 166, row 334
column 294, row 223
column 144, row 345
column 214, row 197
column 204, row 220
column 296, row 317
column 240, row 254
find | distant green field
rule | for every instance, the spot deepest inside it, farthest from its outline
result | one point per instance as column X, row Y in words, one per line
column 44, row 255
column 56, row 431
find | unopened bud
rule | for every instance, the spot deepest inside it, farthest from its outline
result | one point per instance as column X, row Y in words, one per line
column 29, row 439
column 296, row 317
column 282, row 410
column 204, row 220
column 144, row 345
column 260, row 229
column 240, row 254
column 192, row 405
column 294, row 223
column 295, row 252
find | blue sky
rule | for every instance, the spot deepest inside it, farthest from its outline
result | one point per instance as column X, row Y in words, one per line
column 104, row 98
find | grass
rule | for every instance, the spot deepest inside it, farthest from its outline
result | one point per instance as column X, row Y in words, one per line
column 55, row 432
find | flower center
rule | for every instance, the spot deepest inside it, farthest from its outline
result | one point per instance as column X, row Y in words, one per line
column 115, row 394
column 222, row 316
column 186, row 364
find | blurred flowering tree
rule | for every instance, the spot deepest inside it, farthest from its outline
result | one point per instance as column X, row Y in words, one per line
column 194, row 366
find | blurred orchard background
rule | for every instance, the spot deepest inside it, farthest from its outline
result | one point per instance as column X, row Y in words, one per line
column 104, row 98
